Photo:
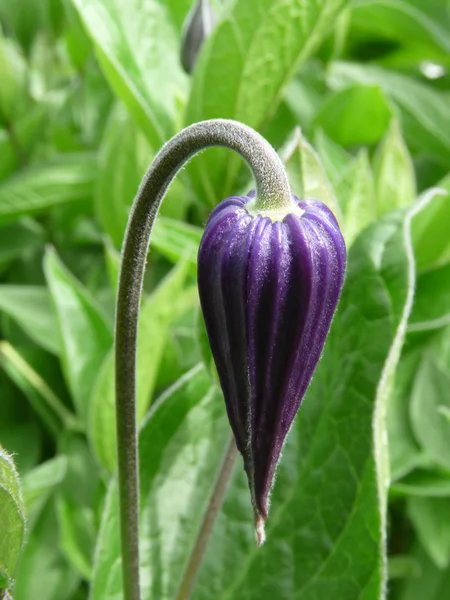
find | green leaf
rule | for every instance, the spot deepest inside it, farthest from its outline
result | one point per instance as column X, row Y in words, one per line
column 124, row 156
column 177, row 241
column 404, row 452
column 77, row 535
column 431, row 308
column 31, row 308
column 43, row 573
column 264, row 45
column 20, row 239
column 42, row 398
column 39, row 483
column 181, row 446
column 12, row 517
column 138, row 51
column 157, row 314
column 86, row 337
column 431, row 429
column 76, row 501
column 40, row 187
column 25, row 133
column 406, row 23
column 430, row 519
column 422, row 482
column 356, row 115
column 307, row 175
column 12, row 76
column 394, row 172
column 430, row 233
column 357, row 196
column 334, row 158
column 431, row 583
column 425, row 116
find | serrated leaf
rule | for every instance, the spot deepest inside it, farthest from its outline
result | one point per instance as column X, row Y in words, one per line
column 394, row 172
column 264, row 44
column 12, row 516
column 40, row 187
column 86, row 337
column 138, row 51
column 31, row 308
column 157, row 314
column 181, row 447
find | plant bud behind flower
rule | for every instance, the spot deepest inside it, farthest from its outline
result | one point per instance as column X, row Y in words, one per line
column 197, row 27
column 268, row 290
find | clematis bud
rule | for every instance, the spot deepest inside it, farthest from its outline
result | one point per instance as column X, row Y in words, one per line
column 199, row 24
column 268, row 290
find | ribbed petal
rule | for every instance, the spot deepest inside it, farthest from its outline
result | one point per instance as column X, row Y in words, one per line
column 268, row 292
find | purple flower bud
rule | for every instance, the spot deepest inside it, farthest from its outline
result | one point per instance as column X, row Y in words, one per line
column 268, row 291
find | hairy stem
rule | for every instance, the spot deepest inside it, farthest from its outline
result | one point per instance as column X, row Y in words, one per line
column 272, row 191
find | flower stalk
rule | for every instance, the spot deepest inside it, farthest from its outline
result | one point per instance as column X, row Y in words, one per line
column 272, row 194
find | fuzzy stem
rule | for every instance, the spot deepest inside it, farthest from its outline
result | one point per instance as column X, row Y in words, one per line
column 272, row 192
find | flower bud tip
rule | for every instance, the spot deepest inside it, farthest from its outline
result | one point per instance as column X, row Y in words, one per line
column 260, row 530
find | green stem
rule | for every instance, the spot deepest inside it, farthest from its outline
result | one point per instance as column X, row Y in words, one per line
column 272, row 192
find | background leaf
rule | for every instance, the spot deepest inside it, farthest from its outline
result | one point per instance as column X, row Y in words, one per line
column 137, row 50
column 257, row 69
column 12, row 517
column 86, row 337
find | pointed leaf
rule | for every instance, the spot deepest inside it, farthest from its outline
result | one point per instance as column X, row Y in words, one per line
column 138, row 51
column 86, row 337
column 264, row 45
column 394, row 172
column 157, row 314
column 40, row 187
column 181, row 447
column 357, row 196
column 31, row 308
column 12, row 517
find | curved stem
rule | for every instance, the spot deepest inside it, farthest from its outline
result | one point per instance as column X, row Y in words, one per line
column 272, row 191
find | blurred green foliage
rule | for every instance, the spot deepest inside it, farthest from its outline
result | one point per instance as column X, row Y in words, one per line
column 356, row 98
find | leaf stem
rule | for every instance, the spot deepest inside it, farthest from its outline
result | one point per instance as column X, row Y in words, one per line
column 272, row 191
column 215, row 502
